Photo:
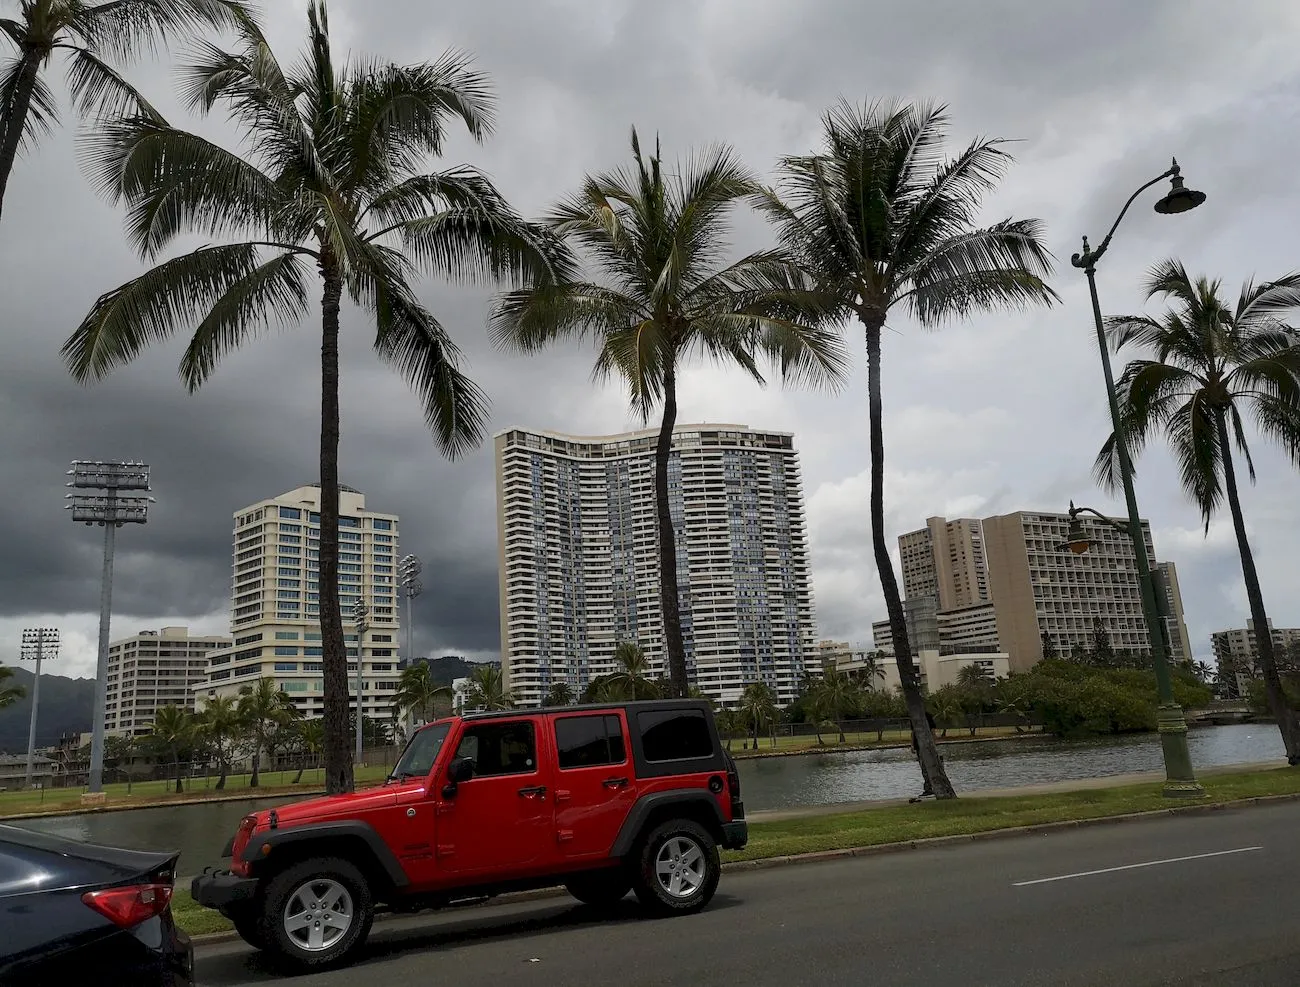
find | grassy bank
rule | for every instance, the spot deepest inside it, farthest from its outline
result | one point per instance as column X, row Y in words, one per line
column 903, row 823
column 146, row 793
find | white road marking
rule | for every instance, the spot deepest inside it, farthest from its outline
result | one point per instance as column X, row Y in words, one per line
column 1149, row 863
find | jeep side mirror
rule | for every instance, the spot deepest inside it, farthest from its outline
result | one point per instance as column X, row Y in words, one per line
column 461, row 770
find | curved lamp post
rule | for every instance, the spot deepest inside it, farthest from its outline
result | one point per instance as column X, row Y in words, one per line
column 1180, row 779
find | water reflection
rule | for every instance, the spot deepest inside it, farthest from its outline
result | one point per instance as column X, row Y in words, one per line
column 200, row 831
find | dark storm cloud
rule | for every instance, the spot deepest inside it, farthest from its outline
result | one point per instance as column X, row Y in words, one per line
column 1102, row 95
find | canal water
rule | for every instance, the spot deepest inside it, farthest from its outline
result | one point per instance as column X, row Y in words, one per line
column 200, row 831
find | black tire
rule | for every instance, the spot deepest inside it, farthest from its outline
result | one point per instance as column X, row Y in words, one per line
column 688, row 847
column 603, row 888
column 292, row 887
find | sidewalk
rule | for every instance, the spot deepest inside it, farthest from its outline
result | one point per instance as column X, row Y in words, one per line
column 1048, row 788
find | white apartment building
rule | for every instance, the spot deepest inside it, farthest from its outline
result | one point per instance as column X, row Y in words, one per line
column 275, row 608
column 966, row 630
column 579, row 559
column 1236, row 652
column 152, row 669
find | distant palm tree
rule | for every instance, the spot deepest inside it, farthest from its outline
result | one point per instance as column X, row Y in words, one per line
column 559, row 694
column 88, row 35
column 223, row 726
column 834, row 695
column 630, row 679
column 758, row 708
column 882, row 220
column 1216, row 364
column 418, row 693
column 659, row 243
column 310, row 735
column 1202, row 670
column 9, row 694
column 873, row 668
column 730, row 723
column 946, row 705
column 173, row 733
column 487, row 690
column 329, row 192
column 264, row 709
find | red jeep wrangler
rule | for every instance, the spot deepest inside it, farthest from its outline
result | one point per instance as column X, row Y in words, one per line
column 601, row 799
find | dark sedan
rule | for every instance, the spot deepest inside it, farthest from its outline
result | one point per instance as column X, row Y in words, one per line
column 75, row 912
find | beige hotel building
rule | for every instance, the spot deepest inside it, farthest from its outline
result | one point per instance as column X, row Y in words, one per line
column 275, row 608
column 579, row 559
column 152, row 669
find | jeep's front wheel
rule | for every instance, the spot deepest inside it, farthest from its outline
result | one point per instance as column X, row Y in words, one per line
column 677, row 868
column 248, row 925
column 317, row 913
column 602, row 888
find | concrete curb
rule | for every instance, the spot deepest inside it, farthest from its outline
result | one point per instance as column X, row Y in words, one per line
column 823, row 856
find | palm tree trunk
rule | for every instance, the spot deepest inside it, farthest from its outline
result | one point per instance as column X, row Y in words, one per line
column 668, row 595
column 256, row 778
column 15, row 117
column 1277, row 703
column 180, row 788
column 927, row 752
column 223, row 769
column 334, row 658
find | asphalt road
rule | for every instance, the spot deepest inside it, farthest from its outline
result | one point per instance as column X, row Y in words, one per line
column 1199, row 899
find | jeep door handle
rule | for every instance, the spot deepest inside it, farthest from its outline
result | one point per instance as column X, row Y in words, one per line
column 538, row 792
column 615, row 782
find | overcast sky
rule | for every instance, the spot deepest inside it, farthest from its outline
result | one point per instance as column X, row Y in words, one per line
column 994, row 415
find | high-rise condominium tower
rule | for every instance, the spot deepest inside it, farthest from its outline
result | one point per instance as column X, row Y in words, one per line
column 579, row 558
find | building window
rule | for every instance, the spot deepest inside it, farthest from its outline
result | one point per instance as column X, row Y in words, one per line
column 292, row 513
column 286, row 635
column 381, row 524
column 294, row 686
column 286, row 666
column 283, row 650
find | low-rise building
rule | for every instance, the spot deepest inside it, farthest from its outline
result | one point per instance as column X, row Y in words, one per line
column 880, row 670
column 13, row 771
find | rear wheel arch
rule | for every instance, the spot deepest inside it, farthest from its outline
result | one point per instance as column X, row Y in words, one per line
column 652, row 811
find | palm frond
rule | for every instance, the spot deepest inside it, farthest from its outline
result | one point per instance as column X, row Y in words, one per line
column 98, row 89
column 1198, row 454
column 485, row 243
column 1239, row 434
column 1002, row 266
column 419, row 348
column 153, row 307
column 1141, row 330
column 529, row 319
column 1278, row 421
column 275, row 291
column 123, row 29
column 1149, row 394
column 1260, row 305
column 42, row 111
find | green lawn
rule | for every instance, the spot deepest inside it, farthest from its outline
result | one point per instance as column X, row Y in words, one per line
column 162, row 792
column 903, row 823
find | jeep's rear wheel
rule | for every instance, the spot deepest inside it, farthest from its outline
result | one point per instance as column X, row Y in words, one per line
column 606, row 887
column 678, row 868
column 317, row 913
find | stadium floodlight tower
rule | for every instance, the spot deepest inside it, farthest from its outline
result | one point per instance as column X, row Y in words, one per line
column 103, row 503
column 39, row 644
column 408, row 577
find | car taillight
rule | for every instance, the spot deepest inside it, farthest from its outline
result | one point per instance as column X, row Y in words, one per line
column 129, row 906
column 733, row 786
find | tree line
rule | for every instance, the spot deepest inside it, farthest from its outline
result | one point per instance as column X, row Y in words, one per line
column 330, row 194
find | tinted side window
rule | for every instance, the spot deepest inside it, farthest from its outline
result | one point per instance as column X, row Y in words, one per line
column 587, row 741
column 674, row 735
column 500, row 748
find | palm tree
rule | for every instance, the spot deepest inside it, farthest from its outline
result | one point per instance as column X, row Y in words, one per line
column 758, row 708
column 310, row 737
column 1202, row 670
column 88, row 35
column 1214, row 365
column 658, row 242
column 947, row 706
column 222, row 726
column 873, row 668
column 559, row 694
column 264, row 709
column 9, row 694
column 730, row 723
column 835, row 694
column 417, row 693
column 881, row 219
column 331, row 181
column 630, row 679
column 487, row 690
column 172, row 733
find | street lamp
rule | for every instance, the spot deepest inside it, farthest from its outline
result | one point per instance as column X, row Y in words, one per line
column 408, row 577
column 39, row 644
column 1180, row 779
column 359, row 614
column 107, row 508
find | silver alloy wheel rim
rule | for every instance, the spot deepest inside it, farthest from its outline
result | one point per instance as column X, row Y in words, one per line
column 318, row 914
column 681, row 867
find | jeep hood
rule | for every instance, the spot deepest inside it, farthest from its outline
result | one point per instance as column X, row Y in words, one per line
column 334, row 807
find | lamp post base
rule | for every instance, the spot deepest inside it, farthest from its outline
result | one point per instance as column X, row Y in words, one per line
column 93, row 798
column 1180, row 779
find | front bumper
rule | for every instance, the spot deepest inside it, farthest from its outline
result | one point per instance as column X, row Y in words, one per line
column 222, row 889
column 735, row 835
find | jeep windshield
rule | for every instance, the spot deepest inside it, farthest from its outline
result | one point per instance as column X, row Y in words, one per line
column 421, row 751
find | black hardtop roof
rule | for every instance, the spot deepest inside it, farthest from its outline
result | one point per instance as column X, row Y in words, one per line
column 630, row 706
